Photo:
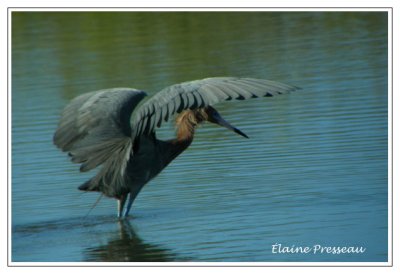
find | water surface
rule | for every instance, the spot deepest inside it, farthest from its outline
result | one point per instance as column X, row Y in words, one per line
column 314, row 170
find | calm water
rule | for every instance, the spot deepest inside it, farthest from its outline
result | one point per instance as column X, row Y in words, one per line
column 314, row 170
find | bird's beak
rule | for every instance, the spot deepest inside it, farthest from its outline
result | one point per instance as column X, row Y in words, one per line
column 217, row 119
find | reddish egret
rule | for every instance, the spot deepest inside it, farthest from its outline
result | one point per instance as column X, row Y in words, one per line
column 107, row 129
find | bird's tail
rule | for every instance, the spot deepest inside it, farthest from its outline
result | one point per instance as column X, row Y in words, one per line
column 89, row 185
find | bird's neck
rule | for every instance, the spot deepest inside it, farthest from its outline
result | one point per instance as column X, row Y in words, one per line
column 184, row 137
column 186, row 124
column 175, row 147
column 185, row 132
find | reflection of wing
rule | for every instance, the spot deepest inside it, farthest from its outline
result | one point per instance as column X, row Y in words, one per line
column 197, row 94
column 95, row 128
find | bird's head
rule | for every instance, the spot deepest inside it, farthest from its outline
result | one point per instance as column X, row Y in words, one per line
column 214, row 117
column 188, row 120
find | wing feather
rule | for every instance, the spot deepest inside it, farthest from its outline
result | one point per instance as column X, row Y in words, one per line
column 198, row 94
column 95, row 130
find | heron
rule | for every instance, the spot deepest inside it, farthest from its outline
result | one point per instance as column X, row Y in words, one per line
column 114, row 129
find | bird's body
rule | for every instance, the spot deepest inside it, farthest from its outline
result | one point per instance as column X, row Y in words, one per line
column 107, row 128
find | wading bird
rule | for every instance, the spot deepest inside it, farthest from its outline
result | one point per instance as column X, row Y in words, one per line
column 110, row 130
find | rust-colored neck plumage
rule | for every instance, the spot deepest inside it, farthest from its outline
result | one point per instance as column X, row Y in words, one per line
column 187, row 122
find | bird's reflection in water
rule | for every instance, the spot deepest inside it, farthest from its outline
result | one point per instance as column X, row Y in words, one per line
column 128, row 247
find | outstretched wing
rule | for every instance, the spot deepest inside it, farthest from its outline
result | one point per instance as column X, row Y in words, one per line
column 198, row 94
column 95, row 128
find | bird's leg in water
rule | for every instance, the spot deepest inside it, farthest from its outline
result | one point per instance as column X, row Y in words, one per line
column 132, row 195
column 121, row 203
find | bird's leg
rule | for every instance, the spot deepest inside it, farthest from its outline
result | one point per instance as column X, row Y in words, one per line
column 132, row 195
column 129, row 205
column 121, row 203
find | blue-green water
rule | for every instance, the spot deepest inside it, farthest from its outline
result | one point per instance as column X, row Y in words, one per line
column 314, row 171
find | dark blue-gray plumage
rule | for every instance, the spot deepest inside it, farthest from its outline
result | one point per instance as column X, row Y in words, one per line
column 113, row 130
